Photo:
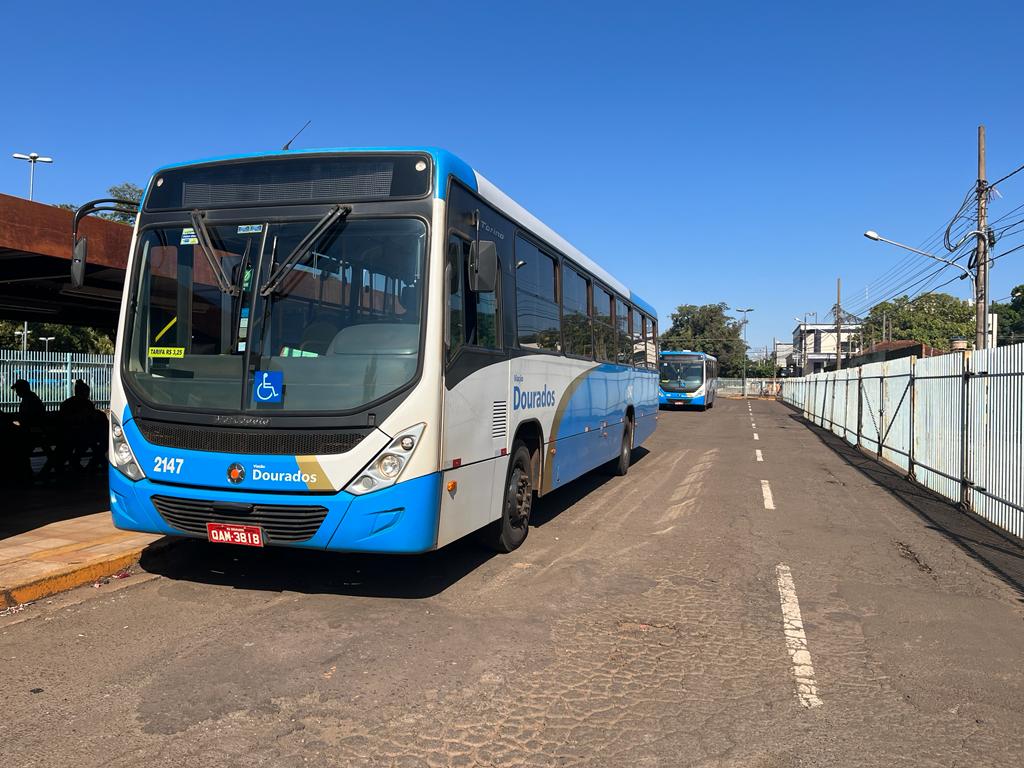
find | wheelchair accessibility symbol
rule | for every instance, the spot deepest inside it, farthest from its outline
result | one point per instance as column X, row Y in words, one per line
column 268, row 386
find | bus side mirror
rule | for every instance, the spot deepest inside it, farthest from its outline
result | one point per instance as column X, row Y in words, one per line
column 78, row 258
column 483, row 266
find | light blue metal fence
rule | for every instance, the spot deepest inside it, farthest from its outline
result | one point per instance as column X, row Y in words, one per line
column 954, row 423
column 52, row 376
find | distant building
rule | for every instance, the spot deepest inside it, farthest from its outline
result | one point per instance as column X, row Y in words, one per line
column 814, row 346
column 781, row 352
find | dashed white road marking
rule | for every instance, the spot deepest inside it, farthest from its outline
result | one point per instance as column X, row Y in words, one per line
column 753, row 425
column 757, row 453
column 796, row 640
column 766, row 492
column 756, row 437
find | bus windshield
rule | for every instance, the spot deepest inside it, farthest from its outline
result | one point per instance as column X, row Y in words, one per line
column 341, row 328
column 685, row 375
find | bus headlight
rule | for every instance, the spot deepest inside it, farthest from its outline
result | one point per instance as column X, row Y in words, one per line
column 387, row 466
column 121, row 455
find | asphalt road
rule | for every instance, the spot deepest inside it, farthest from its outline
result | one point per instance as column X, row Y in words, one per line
column 640, row 625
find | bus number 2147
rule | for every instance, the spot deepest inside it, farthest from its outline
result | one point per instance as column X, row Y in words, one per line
column 167, row 464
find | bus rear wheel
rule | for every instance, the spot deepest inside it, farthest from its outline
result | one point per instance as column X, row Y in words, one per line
column 509, row 531
column 620, row 465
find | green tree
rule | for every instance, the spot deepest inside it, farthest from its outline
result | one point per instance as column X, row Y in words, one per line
column 706, row 328
column 1011, row 317
column 761, row 369
column 66, row 338
column 125, row 191
column 932, row 319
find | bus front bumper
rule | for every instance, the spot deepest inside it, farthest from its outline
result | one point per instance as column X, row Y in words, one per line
column 679, row 398
column 401, row 519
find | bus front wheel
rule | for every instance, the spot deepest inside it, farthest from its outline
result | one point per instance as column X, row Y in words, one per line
column 509, row 531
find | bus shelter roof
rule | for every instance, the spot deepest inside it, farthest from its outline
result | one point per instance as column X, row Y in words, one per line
column 35, row 266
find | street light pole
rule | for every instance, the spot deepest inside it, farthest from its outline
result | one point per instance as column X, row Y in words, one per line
column 32, row 158
column 24, row 337
column 46, row 340
column 744, row 311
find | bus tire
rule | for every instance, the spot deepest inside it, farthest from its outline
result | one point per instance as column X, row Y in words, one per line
column 620, row 466
column 509, row 531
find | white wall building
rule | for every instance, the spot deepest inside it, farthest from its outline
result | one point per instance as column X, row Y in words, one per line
column 814, row 346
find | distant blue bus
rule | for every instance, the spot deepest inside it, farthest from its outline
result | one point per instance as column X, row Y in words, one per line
column 687, row 378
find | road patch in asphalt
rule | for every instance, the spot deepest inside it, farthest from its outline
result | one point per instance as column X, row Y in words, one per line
column 796, row 640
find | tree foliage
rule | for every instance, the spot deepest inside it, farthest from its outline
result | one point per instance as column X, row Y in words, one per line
column 707, row 328
column 125, row 191
column 932, row 319
column 67, row 338
column 1011, row 317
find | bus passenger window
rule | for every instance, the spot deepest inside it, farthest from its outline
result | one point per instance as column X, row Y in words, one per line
column 625, row 345
column 604, row 330
column 536, row 298
column 576, row 323
column 637, row 337
column 651, row 333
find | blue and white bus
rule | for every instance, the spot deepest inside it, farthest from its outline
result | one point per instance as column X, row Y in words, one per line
column 687, row 378
column 363, row 350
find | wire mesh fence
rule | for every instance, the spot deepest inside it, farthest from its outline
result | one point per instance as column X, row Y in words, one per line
column 954, row 423
column 52, row 376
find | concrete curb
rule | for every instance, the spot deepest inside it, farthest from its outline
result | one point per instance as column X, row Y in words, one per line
column 74, row 576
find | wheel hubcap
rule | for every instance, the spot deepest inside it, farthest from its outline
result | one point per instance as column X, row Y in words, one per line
column 521, row 498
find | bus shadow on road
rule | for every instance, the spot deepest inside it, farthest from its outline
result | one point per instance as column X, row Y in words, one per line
column 306, row 571
column 978, row 538
column 282, row 569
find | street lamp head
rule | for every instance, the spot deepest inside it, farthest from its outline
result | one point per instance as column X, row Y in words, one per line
column 19, row 156
column 872, row 235
column 44, row 159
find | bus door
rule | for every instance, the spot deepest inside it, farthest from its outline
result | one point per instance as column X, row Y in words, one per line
column 476, row 390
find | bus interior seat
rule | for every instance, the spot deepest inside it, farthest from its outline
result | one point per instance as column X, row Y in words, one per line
column 318, row 335
column 410, row 302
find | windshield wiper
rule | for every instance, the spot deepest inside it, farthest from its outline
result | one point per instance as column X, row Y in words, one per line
column 333, row 216
column 203, row 236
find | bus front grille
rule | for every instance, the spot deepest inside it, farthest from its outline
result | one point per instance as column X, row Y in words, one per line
column 305, row 442
column 280, row 522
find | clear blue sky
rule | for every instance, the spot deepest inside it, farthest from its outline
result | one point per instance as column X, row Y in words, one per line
column 702, row 152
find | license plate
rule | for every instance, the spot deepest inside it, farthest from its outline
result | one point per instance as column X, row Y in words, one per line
column 229, row 533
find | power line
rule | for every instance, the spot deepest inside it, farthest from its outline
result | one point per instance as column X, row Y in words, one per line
column 913, row 281
column 906, row 276
column 1004, row 178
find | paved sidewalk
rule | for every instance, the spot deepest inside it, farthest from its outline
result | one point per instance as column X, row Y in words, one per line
column 65, row 554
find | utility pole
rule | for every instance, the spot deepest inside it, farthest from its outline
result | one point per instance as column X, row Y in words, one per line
column 839, row 327
column 981, row 252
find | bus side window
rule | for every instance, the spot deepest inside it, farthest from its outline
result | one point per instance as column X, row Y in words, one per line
column 456, row 311
column 472, row 315
column 651, row 333
column 637, row 335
